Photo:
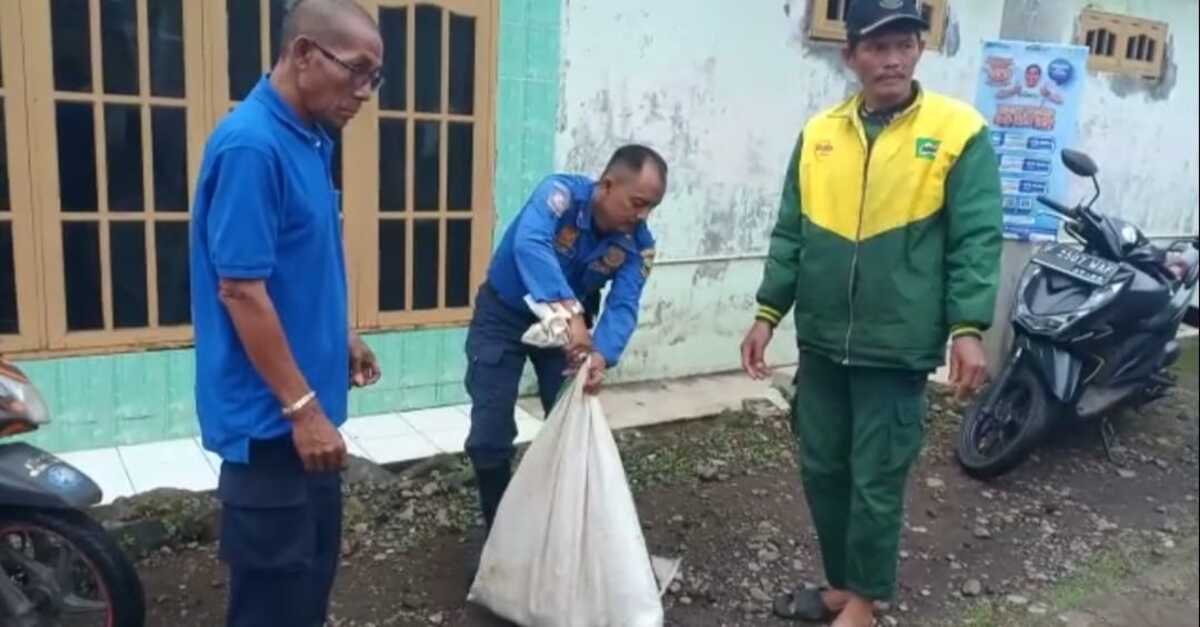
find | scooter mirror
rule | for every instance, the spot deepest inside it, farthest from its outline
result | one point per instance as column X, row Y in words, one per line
column 1079, row 163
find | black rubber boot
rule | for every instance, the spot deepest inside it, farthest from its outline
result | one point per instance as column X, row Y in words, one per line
column 491, row 483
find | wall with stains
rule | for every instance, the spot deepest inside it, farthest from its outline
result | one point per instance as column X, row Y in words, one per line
column 1144, row 135
column 722, row 89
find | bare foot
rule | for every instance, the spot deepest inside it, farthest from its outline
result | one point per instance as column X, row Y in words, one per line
column 858, row 612
column 835, row 600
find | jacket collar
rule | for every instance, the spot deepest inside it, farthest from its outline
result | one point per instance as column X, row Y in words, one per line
column 849, row 108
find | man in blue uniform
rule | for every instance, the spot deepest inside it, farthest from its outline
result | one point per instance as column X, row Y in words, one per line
column 274, row 351
column 573, row 237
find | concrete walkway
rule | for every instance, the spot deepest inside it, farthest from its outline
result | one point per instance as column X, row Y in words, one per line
column 414, row 435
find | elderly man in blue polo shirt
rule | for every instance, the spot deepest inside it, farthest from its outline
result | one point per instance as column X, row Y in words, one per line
column 573, row 237
column 274, row 352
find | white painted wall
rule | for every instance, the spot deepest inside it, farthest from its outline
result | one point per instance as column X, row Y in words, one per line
column 722, row 88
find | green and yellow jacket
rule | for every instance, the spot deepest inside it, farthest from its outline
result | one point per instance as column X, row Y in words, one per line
column 889, row 237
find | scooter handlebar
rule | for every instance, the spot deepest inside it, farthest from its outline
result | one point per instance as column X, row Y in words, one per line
column 1057, row 206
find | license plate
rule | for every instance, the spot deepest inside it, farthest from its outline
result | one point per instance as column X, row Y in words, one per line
column 1077, row 264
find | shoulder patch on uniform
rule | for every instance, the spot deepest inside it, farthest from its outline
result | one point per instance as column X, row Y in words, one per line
column 559, row 199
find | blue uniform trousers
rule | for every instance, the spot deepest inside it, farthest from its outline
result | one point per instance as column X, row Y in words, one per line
column 495, row 361
column 281, row 531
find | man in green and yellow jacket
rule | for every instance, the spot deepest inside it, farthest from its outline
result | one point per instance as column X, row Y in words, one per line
column 887, row 244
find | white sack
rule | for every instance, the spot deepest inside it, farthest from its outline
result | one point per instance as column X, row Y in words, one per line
column 566, row 548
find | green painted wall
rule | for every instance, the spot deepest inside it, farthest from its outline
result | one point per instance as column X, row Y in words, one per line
column 142, row 397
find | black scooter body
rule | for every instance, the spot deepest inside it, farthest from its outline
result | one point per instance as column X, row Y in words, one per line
column 1095, row 329
column 31, row 477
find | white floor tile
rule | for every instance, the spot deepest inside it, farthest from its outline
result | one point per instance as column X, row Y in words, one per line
column 450, row 441
column 400, row 449
column 214, row 460
column 105, row 468
column 521, row 414
column 354, row 448
column 383, row 426
column 170, row 464
column 527, row 429
column 437, row 419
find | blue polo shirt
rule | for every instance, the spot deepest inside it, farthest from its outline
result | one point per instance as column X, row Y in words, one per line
column 553, row 252
column 266, row 209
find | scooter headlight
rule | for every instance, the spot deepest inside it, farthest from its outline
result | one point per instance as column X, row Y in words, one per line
column 1059, row 322
column 19, row 400
column 1100, row 297
column 1033, row 272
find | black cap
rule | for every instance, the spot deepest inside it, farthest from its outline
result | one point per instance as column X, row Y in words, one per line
column 865, row 17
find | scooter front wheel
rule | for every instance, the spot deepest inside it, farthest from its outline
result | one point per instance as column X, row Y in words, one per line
column 62, row 568
column 992, row 443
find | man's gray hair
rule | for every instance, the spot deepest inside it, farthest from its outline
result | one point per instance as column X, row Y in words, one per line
column 317, row 19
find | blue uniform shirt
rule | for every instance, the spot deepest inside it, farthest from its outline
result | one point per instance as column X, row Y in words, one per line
column 266, row 209
column 553, row 252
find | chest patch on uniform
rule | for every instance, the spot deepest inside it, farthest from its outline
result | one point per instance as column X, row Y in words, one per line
column 927, row 148
column 614, row 257
column 565, row 240
column 823, row 149
column 610, row 262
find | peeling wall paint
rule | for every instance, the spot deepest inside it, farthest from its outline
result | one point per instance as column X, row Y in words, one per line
column 722, row 91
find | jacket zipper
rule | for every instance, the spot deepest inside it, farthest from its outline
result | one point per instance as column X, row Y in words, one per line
column 862, row 203
column 857, row 239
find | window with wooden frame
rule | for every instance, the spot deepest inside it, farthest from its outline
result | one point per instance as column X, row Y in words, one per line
column 827, row 21
column 20, row 319
column 1123, row 44
column 117, row 89
column 124, row 94
column 425, row 234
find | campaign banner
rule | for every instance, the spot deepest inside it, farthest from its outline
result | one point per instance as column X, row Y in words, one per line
column 1030, row 95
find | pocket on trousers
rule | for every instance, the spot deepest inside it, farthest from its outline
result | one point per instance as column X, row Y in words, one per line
column 266, row 518
column 274, row 539
column 480, row 357
column 908, row 423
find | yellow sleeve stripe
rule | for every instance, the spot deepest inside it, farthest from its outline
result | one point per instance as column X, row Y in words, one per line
column 770, row 314
column 960, row 330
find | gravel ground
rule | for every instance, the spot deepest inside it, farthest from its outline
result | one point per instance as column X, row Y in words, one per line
column 724, row 494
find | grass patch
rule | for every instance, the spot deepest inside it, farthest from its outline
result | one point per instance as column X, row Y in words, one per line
column 1104, row 570
column 1100, row 572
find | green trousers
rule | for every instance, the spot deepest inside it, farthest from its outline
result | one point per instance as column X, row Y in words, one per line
column 858, row 430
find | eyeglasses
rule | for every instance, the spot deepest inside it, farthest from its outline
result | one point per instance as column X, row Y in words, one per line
column 359, row 77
